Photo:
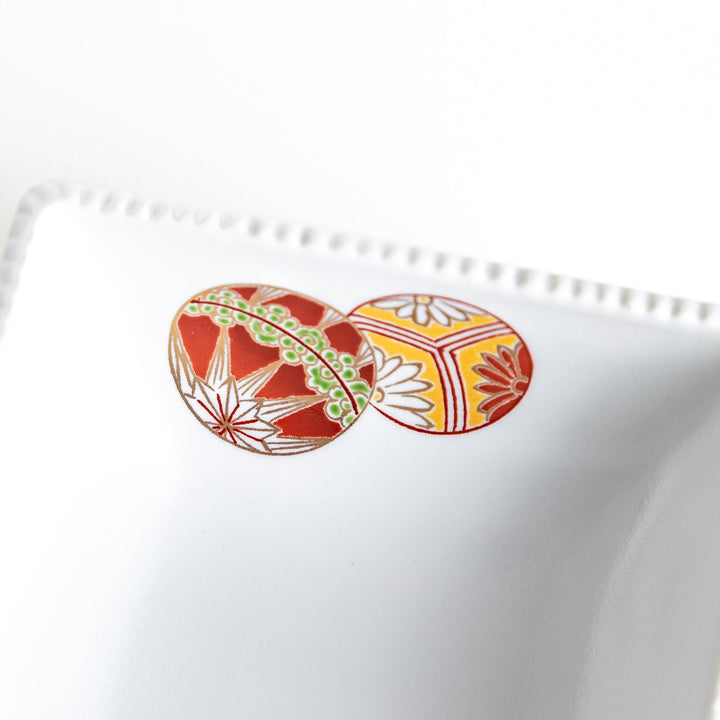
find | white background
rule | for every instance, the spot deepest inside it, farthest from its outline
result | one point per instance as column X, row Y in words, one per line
column 577, row 137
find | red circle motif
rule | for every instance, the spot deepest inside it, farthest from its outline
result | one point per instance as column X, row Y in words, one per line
column 270, row 370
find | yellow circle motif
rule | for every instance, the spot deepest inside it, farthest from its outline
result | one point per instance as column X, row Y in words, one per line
column 442, row 365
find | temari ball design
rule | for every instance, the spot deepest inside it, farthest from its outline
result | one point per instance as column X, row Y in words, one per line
column 443, row 366
column 270, row 370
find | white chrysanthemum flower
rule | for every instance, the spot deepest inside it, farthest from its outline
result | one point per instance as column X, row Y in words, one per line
column 426, row 309
column 397, row 389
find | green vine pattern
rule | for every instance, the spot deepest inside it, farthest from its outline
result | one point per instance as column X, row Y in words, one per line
column 326, row 370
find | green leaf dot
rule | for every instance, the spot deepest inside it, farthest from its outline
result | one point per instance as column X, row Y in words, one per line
column 360, row 386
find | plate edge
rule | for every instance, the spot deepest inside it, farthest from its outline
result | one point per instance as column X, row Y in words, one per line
column 579, row 293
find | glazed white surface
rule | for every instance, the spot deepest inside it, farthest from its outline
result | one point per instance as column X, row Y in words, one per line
column 561, row 563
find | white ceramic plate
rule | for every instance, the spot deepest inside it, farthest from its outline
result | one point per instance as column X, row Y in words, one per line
column 430, row 557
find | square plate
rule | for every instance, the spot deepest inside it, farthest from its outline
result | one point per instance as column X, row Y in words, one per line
column 497, row 493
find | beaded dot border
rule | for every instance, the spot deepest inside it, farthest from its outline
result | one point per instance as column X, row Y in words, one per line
column 587, row 294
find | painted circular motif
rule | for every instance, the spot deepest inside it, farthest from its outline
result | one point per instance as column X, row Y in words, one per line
column 443, row 366
column 269, row 370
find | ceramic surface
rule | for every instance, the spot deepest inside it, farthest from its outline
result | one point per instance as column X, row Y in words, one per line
column 558, row 563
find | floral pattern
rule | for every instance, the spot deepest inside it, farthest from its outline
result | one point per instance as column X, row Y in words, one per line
column 269, row 370
column 424, row 310
column 397, row 390
column 506, row 376
column 446, row 338
column 328, row 371
column 276, row 372
column 228, row 407
column 230, row 417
